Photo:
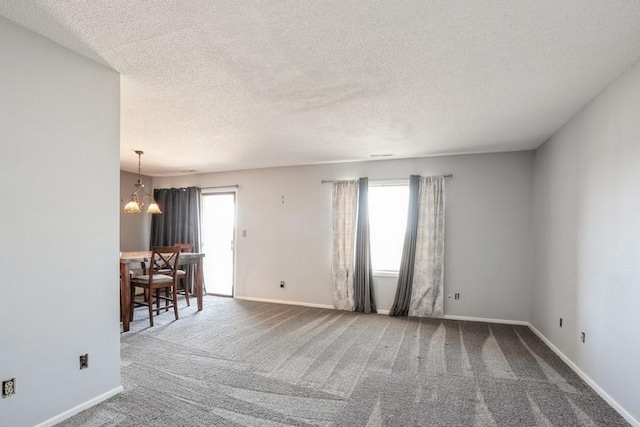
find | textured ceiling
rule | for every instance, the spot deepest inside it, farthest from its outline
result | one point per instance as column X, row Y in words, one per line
column 223, row 85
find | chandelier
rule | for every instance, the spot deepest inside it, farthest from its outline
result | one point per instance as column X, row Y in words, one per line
column 136, row 203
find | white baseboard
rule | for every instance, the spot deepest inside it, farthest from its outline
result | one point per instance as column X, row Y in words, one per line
column 610, row 400
column 86, row 405
column 304, row 304
column 276, row 301
column 482, row 319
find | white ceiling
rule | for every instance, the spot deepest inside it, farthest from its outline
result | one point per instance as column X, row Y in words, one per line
column 223, row 85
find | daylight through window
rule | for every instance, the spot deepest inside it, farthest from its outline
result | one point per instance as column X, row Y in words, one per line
column 387, row 221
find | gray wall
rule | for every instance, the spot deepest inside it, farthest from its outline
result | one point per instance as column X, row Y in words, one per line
column 59, row 131
column 488, row 250
column 134, row 228
column 587, row 252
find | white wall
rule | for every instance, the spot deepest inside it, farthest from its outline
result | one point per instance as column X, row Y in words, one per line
column 59, row 136
column 134, row 228
column 488, row 250
column 587, row 230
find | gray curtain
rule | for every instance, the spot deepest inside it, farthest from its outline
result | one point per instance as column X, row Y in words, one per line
column 421, row 277
column 401, row 302
column 363, row 273
column 180, row 218
column 345, row 205
column 179, row 221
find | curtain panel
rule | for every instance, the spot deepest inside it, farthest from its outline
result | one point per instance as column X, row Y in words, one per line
column 345, row 205
column 363, row 272
column 420, row 289
column 401, row 302
column 179, row 222
column 180, row 218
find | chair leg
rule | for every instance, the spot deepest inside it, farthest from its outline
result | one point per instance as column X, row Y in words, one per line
column 175, row 300
column 151, row 308
column 185, row 287
column 132, row 290
column 158, row 301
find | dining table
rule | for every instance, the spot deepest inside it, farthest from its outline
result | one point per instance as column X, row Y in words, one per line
column 129, row 258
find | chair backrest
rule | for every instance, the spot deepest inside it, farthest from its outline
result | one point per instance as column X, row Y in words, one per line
column 185, row 247
column 165, row 258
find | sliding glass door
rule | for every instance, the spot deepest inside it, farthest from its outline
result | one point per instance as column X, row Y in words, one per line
column 218, row 241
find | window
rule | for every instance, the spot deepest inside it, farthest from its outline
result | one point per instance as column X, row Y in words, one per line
column 388, row 206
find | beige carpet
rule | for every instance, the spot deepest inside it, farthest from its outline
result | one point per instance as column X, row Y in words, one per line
column 241, row 363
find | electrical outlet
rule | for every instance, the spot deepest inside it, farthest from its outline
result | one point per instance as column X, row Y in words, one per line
column 84, row 361
column 8, row 387
column 582, row 337
column 456, row 296
column 282, row 283
column 561, row 322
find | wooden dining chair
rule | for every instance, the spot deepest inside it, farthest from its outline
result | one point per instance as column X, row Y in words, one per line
column 161, row 275
column 182, row 274
column 185, row 247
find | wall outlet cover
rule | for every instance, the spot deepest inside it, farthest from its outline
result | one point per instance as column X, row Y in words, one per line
column 8, row 387
column 84, row 361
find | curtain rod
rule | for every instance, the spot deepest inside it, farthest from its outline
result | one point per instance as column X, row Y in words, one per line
column 326, row 181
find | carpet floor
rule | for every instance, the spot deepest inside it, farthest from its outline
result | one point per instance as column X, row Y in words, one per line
column 243, row 363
